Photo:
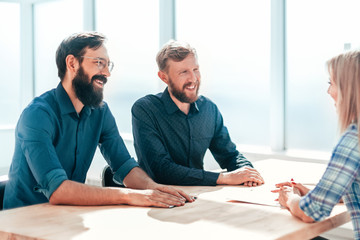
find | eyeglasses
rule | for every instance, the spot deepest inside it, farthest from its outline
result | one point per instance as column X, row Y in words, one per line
column 102, row 63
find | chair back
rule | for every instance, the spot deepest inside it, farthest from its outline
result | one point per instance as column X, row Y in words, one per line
column 107, row 178
column 2, row 190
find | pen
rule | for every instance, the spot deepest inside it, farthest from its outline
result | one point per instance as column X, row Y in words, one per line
column 292, row 181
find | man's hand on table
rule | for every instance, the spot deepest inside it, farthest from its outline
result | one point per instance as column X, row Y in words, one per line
column 247, row 176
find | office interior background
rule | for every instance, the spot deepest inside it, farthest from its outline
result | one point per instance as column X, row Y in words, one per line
column 263, row 62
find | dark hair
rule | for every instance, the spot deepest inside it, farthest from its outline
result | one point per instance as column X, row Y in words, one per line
column 76, row 45
column 174, row 50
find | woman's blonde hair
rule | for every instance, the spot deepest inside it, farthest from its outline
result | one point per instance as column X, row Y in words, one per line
column 344, row 70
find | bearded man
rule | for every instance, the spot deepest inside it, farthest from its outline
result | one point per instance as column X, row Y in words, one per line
column 173, row 129
column 58, row 132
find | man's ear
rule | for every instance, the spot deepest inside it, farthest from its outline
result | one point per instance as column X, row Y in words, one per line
column 72, row 64
column 163, row 76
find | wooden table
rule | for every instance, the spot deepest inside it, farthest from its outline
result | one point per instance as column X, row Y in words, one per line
column 211, row 216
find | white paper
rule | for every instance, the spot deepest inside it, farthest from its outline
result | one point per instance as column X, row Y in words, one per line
column 255, row 195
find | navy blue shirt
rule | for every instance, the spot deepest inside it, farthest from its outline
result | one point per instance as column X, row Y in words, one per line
column 171, row 145
column 54, row 143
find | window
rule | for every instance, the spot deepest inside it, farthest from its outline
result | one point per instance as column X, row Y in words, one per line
column 133, row 41
column 10, row 62
column 311, row 40
column 10, row 80
column 54, row 21
column 233, row 42
column 232, row 39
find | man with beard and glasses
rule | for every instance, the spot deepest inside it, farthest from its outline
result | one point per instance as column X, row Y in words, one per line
column 58, row 132
column 173, row 129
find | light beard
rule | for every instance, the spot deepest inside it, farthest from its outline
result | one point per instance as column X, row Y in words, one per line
column 181, row 94
column 85, row 90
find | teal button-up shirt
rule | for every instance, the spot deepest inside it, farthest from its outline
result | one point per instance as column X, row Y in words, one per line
column 54, row 143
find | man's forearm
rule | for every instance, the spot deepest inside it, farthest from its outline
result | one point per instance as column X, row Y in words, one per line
column 138, row 179
column 74, row 193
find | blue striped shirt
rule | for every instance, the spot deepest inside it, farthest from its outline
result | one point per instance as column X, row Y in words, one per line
column 341, row 179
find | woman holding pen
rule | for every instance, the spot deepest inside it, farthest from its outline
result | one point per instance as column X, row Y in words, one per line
column 342, row 176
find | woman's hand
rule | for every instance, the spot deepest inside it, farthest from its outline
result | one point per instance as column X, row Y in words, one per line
column 301, row 188
column 286, row 193
column 289, row 197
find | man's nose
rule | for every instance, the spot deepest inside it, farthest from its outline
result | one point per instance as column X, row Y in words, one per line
column 106, row 72
column 193, row 77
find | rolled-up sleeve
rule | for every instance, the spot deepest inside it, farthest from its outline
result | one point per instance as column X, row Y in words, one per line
column 54, row 179
column 114, row 150
column 124, row 169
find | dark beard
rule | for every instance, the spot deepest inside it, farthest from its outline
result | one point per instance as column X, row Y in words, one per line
column 85, row 90
column 180, row 94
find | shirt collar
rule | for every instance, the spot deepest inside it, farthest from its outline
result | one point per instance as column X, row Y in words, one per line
column 171, row 107
column 64, row 101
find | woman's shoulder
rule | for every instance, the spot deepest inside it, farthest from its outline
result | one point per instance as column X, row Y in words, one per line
column 349, row 142
column 351, row 133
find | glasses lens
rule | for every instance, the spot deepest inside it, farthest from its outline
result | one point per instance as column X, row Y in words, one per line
column 111, row 66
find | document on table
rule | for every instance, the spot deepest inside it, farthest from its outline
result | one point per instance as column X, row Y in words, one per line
column 306, row 173
column 274, row 171
column 256, row 195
